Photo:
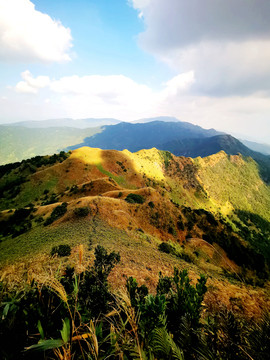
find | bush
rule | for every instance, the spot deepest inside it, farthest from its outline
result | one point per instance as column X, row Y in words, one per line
column 135, row 199
column 57, row 212
column 82, row 211
column 151, row 204
column 167, row 248
column 184, row 304
column 17, row 224
column 61, row 250
column 94, row 295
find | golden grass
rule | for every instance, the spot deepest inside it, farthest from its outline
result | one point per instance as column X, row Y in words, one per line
column 148, row 163
column 88, row 155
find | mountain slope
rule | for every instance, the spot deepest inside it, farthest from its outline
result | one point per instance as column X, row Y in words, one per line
column 207, row 215
column 222, row 195
column 209, row 146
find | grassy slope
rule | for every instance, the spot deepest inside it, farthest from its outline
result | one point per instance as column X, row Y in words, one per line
column 233, row 182
column 218, row 183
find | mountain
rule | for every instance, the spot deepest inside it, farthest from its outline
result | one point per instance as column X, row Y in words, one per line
column 18, row 142
column 262, row 148
column 208, row 146
column 182, row 138
column 158, row 118
column 135, row 137
column 78, row 123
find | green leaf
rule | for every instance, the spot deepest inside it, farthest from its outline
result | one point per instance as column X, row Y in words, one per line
column 44, row 345
column 5, row 311
column 65, row 332
column 40, row 329
column 76, row 286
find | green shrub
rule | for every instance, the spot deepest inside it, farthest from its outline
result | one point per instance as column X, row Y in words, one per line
column 57, row 212
column 167, row 248
column 135, row 199
column 151, row 204
column 94, row 295
column 82, row 211
column 18, row 223
column 61, row 250
column 136, row 293
column 183, row 311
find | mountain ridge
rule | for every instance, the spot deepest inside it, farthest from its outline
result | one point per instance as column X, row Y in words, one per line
column 144, row 136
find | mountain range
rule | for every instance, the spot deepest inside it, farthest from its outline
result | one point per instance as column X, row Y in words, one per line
column 30, row 138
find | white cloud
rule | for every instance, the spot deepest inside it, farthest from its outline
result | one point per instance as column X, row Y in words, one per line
column 225, row 68
column 94, row 94
column 225, row 43
column 122, row 98
column 29, row 35
column 178, row 84
column 31, row 85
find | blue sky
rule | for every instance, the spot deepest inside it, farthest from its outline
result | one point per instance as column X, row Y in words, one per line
column 205, row 62
column 105, row 39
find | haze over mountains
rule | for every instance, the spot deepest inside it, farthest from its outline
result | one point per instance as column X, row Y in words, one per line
column 78, row 123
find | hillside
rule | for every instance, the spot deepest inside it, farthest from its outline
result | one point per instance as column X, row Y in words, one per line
column 30, row 138
column 134, row 216
column 220, row 198
column 209, row 146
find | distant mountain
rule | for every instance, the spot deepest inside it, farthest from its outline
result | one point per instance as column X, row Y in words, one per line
column 18, row 142
column 158, row 118
column 207, row 146
column 262, row 148
column 27, row 139
column 78, row 123
column 135, row 137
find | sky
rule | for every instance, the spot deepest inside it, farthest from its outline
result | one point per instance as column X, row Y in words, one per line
column 203, row 61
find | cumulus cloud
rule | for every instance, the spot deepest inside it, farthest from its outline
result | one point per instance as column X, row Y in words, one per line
column 225, row 43
column 31, row 85
column 114, row 95
column 29, row 35
column 178, row 84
